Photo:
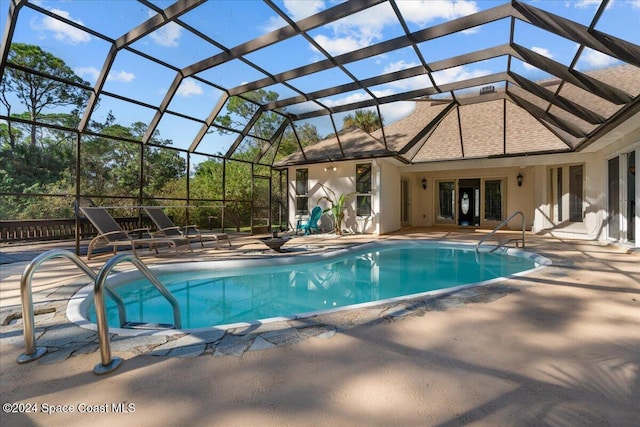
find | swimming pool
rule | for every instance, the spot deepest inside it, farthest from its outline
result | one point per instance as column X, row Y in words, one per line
column 239, row 292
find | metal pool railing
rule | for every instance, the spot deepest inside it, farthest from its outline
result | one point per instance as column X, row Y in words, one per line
column 108, row 364
column 32, row 352
column 502, row 224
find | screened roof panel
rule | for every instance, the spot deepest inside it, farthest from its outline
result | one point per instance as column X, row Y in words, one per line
column 128, row 113
column 150, row 79
column 190, row 91
column 375, row 24
column 419, row 14
column 611, row 23
column 216, row 143
column 186, row 129
column 231, row 22
column 470, row 71
column 230, row 74
column 544, row 42
column 170, row 37
column 299, row 52
column 176, row 66
column 78, row 48
column 487, row 35
column 396, row 60
column 444, row 143
column 482, row 129
column 321, row 80
column 518, row 133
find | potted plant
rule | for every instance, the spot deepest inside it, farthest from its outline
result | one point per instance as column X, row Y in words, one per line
column 338, row 206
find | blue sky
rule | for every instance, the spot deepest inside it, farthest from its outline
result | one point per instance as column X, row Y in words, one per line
column 234, row 22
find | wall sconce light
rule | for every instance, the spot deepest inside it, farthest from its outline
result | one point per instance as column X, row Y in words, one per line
column 520, row 180
column 424, row 183
column 333, row 168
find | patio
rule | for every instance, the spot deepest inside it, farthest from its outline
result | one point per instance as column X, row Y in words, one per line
column 556, row 347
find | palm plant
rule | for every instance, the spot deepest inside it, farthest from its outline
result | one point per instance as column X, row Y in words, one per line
column 338, row 206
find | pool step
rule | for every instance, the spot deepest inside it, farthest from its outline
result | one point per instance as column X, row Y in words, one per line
column 146, row 325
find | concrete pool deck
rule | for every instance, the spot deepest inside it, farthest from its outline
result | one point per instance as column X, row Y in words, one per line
column 560, row 346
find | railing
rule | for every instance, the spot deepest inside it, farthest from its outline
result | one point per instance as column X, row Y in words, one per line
column 502, row 224
column 32, row 352
column 109, row 364
column 58, row 229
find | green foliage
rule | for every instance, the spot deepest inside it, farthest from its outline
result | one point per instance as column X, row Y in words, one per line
column 366, row 120
column 37, row 92
column 338, row 206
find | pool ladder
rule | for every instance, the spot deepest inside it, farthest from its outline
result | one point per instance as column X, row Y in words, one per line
column 108, row 364
column 502, row 224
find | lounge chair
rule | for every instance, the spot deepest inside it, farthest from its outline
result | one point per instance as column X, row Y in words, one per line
column 167, row 228
column 111, row 234
column 312, row 223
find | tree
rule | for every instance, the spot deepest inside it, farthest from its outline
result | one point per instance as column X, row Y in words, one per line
column 366, row 120
column 37, row 92
column 241, row 110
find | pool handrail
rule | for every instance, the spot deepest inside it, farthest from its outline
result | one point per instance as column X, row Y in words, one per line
column 109, row 364
column 32, row 352
column 498, row 227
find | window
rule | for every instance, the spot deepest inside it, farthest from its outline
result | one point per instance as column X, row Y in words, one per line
column 559, row 194
column 561, row 201
column 493, row 200
column 302, row 192
column 363, row 189
column 575, row 193
column 446, row 200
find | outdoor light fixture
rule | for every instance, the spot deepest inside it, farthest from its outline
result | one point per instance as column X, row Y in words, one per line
column 519, row 180
column 424, row 183
column 331, row 169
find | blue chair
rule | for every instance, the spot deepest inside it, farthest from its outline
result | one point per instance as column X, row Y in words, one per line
column 311, row 225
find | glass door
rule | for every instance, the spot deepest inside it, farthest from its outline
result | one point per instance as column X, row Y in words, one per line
column 469, row 202
column 404, row 202
column 621, row 198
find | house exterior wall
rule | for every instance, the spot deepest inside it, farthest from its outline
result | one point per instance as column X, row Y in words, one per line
column 342, row 180
column 534, row 198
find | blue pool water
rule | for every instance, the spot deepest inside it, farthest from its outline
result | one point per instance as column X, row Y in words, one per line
column 251, row 291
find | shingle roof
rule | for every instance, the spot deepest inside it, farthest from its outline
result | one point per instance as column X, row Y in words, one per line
column 497, row 127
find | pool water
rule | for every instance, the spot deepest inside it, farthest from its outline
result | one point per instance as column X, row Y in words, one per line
column 221, row 296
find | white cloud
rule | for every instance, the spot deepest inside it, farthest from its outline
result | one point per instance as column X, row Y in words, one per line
column 424, row 11
column 456, row 74
column 339, row 45
column 366, row 27
column 61, row 31
column 188, row 88
column 356, row 31
column 584, row 4
column 92, row 73
column 168, row 35
column 349, row 99
column 396, row 110
column 303, row 9
column 540, row 50
column 121, row 76
column 597, row 59
column 398, row 65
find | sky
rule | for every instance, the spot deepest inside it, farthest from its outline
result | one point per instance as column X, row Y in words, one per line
column 234, row 22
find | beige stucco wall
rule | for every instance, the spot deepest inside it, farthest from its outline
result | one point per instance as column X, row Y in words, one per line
column 340, row 181
column 532, row 198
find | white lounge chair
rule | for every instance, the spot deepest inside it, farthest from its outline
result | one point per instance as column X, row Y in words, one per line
column 111, row 234
column 167, row 228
